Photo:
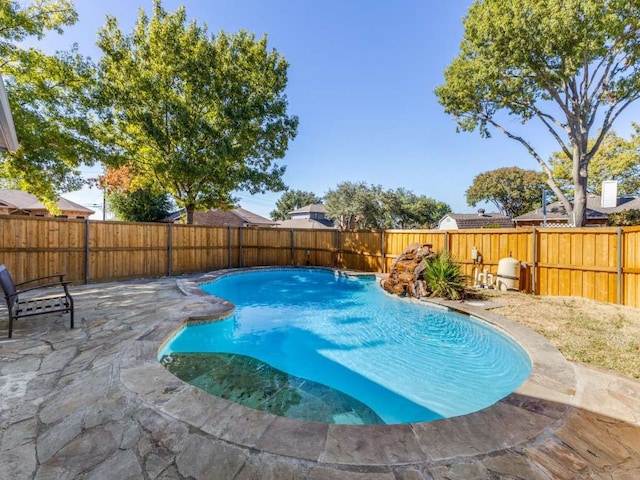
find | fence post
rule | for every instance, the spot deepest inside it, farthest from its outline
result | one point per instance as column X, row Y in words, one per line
column 384, row 254
column 446, row 241
column 87, row 253
column 534, row 259
column 229, row 252
column 169, row 249
column 619, row 267
column 293, row 257
column 337, row 246
column 240, row 247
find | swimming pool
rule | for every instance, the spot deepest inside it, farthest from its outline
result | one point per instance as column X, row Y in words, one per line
column 322, row 346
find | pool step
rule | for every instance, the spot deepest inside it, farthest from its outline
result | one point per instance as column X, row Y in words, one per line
column 348, row 418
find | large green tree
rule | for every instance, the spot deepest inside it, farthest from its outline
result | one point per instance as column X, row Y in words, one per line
column 292, row 200
column 512, row 190
column 616, row 159
column 50, row 98
column 141, row 205
column 358, row 205
column 404, row 209
column 355, row 206
column 198, row 115
column 572, row 65
column 131, row 200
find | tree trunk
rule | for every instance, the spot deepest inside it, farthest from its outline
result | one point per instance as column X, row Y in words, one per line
column 580, row 205
column 579, row 214
column 190, row 209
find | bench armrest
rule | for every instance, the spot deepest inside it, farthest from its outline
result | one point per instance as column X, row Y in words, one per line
column 41, row 287
column 59, row 275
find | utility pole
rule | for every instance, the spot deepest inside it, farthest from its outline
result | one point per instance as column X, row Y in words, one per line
column 544, row 207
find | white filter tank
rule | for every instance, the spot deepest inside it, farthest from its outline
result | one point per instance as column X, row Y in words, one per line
column 508, row 274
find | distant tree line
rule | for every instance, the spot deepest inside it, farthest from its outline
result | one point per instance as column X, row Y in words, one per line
column 357, row 205
column 360, row 206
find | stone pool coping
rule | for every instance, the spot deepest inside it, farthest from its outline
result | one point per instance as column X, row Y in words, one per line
column 533, row 411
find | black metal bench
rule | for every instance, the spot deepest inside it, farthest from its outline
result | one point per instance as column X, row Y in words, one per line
column 48, row 297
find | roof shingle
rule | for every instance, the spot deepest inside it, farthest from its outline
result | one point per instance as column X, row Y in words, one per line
column 25, row 201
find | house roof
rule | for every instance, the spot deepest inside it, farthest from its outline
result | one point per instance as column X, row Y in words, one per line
column 20, row 200
column 477, row 220
column 307, row 223
column 218, row 217
column 8, row 138
column 253, row 218
column 556, row 211
column 312, row 208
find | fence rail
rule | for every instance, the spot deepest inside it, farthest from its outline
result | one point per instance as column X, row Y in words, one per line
column 597, row 263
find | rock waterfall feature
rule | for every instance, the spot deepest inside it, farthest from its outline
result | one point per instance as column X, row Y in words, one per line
column 405, row 275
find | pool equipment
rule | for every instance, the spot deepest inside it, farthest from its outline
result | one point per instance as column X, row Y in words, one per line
column 508, row 274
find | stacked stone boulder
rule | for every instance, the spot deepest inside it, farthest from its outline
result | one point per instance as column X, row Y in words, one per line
column 406, row 272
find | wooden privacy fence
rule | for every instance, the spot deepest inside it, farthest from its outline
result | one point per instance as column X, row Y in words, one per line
column 598, row 263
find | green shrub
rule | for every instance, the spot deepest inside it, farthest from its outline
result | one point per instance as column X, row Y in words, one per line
column 624, row 218
column 444, row 277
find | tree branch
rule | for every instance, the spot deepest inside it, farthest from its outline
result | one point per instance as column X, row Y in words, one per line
column 609, row 119
column 553, row 91
column 563, row 145
column 545, row 168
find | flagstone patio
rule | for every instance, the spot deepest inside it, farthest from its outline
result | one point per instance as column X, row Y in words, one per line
column 94, row 403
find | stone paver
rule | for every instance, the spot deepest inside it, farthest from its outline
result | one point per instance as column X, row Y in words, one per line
column 372, row 445
column 94, row 403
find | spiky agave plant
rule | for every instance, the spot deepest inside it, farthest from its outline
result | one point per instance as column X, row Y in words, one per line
column 444, row 277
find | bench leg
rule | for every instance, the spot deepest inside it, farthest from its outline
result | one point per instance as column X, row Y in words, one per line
column 11, row 322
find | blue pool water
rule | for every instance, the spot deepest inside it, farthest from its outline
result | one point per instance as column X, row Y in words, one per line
column 406, row 362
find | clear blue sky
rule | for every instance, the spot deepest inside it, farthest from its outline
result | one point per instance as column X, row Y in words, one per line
column 361, row 80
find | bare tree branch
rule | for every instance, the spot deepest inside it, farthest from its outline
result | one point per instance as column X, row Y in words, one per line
column 547, row 170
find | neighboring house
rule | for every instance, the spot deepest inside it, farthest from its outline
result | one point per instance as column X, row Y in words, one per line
column 310, row 216
column 17, row 202
column 458, row 221
column 8, row 139
column 237, row 217
column 598, row 209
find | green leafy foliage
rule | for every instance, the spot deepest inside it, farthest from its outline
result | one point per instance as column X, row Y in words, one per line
column 512, row 190
column 616, row 159
column 444, row 277
column 197, row 115
column 51, row 101
column 573, row 66
column 625, row 218
column 292, row 200
column 357, row 205
column 354, row 205
column 404, row 209
column 141, row 205
column 19, row 21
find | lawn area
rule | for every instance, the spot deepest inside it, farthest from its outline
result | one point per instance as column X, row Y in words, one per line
column 583, row 330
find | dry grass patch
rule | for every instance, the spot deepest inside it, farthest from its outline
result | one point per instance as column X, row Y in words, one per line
column 583, row 330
